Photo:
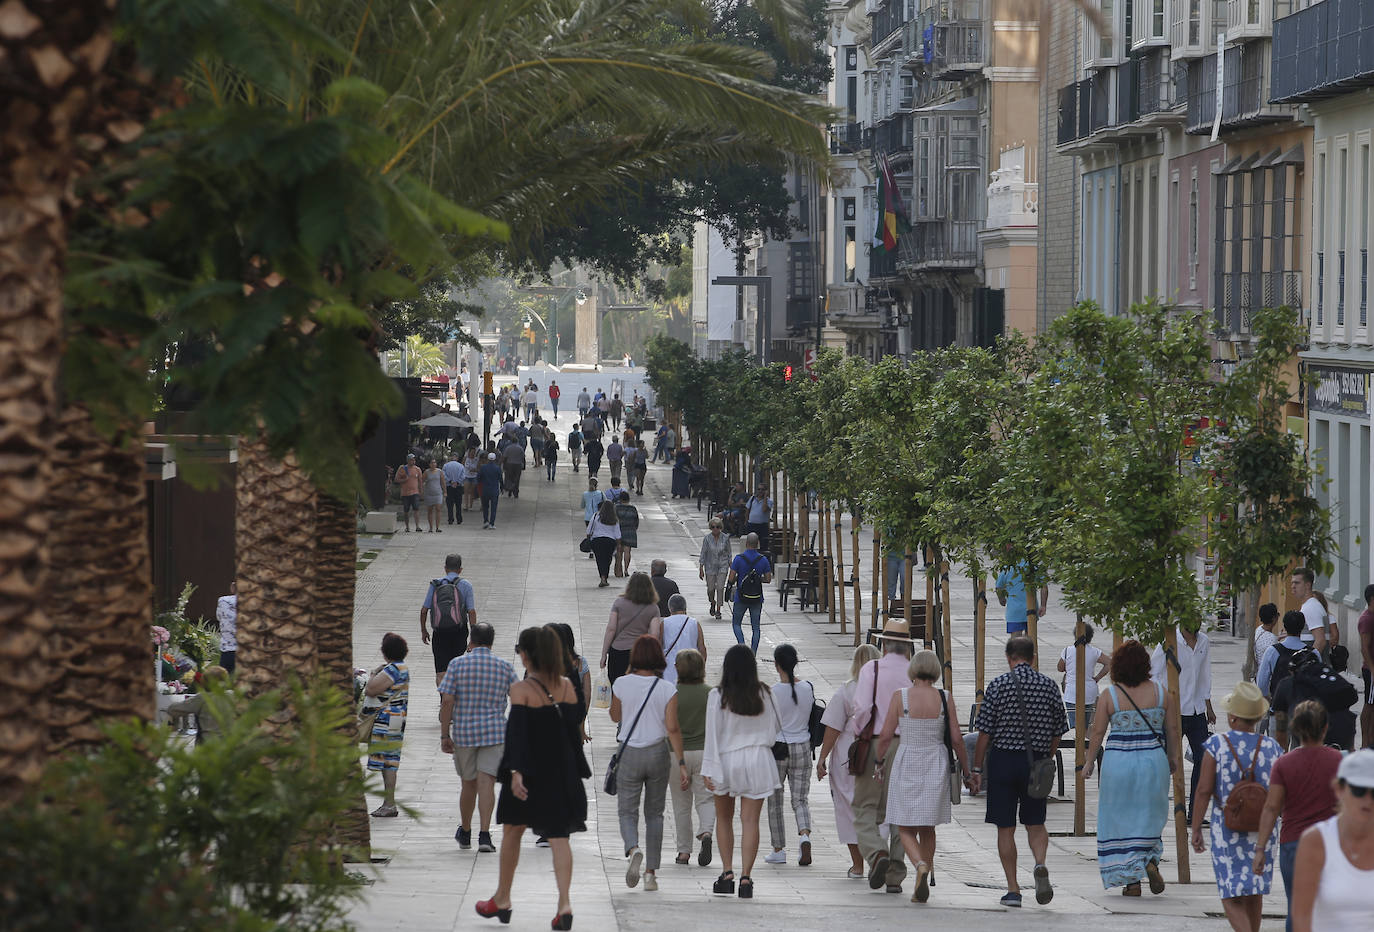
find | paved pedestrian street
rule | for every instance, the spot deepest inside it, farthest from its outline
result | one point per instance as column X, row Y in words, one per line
column 528, row 571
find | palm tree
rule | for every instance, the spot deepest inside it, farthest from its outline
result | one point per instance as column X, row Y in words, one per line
column 417, row 358
column 53, row 55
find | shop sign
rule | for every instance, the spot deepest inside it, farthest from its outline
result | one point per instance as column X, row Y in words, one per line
column 1339, row 391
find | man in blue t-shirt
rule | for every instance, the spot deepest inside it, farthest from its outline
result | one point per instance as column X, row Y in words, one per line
column 1011, row 592
column 489, row 482
column 758, row 510
column 748, row 572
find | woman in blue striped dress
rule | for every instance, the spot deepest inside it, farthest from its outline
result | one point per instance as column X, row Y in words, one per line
column 1138, row 757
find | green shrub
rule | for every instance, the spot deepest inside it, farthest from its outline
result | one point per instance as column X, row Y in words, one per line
column 150, row 832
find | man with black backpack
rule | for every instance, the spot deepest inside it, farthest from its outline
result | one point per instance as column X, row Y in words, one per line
column 748, row 572
column 1273, row 668
column 1313, row 678
column 454, row 605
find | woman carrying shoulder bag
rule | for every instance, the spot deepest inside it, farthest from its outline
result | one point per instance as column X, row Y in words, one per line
column 634, row 613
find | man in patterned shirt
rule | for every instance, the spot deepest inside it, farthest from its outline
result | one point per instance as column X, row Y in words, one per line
column 1019, row 707
column 476, row 686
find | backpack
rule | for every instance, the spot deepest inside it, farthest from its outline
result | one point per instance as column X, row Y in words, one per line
column 574, row 441
column 1316, row 680
column 751, row 585
column 449, row 611
column 1282, row 666
column 1242, row 807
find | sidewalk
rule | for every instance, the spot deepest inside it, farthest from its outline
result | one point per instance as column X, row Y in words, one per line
column 528, row 571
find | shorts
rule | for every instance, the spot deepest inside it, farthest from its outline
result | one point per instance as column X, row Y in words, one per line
column 469, row 762
column 1015, row 627
column 448, row 643
column 1007, row 774
column 411, row 502
column 1368, row 687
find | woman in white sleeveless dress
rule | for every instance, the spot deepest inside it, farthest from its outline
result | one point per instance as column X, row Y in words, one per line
column 918, row 789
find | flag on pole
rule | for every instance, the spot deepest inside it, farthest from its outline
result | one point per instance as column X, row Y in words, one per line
column 892, row 220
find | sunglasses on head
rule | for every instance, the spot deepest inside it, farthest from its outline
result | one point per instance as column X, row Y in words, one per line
column 1357, row 791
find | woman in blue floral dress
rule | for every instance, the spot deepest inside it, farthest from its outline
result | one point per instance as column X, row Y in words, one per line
column 1229, row 758
column 391, row 684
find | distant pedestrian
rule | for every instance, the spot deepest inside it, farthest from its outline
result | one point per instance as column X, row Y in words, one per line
column 759, row 510
column 391, row 684
column 713, row 564
column 634, row 613
column 541, row 771
column 537, row 436
column 932, row 743
column 1011, row 593
column 615, row 456
column 1332, row 875
column 1231, row 757
column 604, row 532
column 551, row 457
column 1096, row 663
column 661, row 444
column 641, row 466
column 513, row 464
column 616, row 410
column 227, row 614
column 639, row 705
column 665, row 587
column 748, row 573
column 472, row 463
column 680, row 631
column 688, row 707
column 593, row 448
column 450, row 605
column 575, row 448
column 670, row 442
column 531, row 399
column 408, row 477
column 433, row 496
column 627, row 515
column 584, row 402
column 555, row 393
column 454, row 476
column 1021, row 719
column 1302, row 791
column 793, row 699
column 737, row 763
column 833, row 758
column 591, row 501
column 1139, row 755
column 489, row 481
column 475, row 686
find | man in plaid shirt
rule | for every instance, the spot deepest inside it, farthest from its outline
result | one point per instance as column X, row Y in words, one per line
column 476, row 686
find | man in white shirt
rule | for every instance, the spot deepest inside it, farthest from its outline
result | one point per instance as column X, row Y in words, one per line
column 678, row 632
column 1301, row 584
column 1194, row 694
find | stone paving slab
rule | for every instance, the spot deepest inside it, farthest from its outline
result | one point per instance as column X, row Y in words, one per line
column 529, row 571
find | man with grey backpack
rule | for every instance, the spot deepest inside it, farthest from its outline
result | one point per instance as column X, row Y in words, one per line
column 454, row 606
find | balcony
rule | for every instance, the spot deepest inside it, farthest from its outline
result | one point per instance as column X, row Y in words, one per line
column 846, row 138
column 1091, row 106
column 1254, row 19
column 1324, row 50
column 1245, row 97
column 958, row 51
column 847, row 301
column 892, row 137
column 939, row 244
column 1154, row 87
column 1245, row 292
column 887, row 24
column 883, row 264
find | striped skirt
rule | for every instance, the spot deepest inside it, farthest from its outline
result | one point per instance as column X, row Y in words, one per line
column 1133, row 806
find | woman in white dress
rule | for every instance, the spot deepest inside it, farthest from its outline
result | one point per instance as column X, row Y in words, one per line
column 737, row 763
column 834, row 759
column 918, row 790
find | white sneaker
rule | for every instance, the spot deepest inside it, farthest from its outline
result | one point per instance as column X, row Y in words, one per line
column 651, row 882
column 776, row 857
column 632, row 872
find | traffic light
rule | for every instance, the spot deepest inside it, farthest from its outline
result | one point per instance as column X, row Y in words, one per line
column 787, row 373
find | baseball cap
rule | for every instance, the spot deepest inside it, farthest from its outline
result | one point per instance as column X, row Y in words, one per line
column 1358, row 769
column 410, row 456
column 491, row 456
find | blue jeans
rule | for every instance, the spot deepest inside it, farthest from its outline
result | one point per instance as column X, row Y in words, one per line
column 755, row 609
column 1288, row 855
column 552, row 465
column 896, row 567
column 1195, row 732
column 489, row 503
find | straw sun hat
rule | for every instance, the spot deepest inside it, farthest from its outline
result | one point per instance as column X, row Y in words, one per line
column 1246, row 701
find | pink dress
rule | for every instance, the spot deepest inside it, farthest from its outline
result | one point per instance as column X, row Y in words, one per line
column 839, row 714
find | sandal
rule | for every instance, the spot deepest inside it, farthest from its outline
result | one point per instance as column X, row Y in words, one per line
column 1131, row 889
column 1156, row 881
column 725, row 884
column 683, row 859
column 746, row 887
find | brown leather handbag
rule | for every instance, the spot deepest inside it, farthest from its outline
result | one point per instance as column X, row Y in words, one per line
column 1241, row 810
column 858, row 751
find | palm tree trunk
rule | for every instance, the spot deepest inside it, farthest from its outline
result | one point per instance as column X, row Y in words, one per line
column 276, row 545
column 53, row 53
column 101, row 578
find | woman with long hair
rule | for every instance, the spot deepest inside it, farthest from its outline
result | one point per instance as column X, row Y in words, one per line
column 641, row 699
column 793, row 701
column 688, row 709
column 833, row 759
column 737, row 762
column 1302, row 790
column 433, row 494
column 1335, row 862
column 604, row 532
column 1133, row 804
column 541, row 771
column 633, row 613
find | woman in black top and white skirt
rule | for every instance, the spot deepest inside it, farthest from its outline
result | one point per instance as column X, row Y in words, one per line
column 541, row 771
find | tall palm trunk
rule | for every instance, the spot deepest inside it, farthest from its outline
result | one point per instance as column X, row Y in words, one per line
column 276, row 545
column 50, row 56
column 99, row 582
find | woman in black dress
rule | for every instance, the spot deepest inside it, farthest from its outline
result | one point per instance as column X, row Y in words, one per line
column 542, row 771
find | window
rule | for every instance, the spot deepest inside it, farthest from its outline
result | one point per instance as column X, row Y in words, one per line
column 1192, row 234
column 799, row 258
column 1364, row 236
column 850, row 207
column 851, row 96
column 1342, row 180
column 1152, row 247
column 850, row 254
column 1319, row 222
column 851, row 58
column 908, row 88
